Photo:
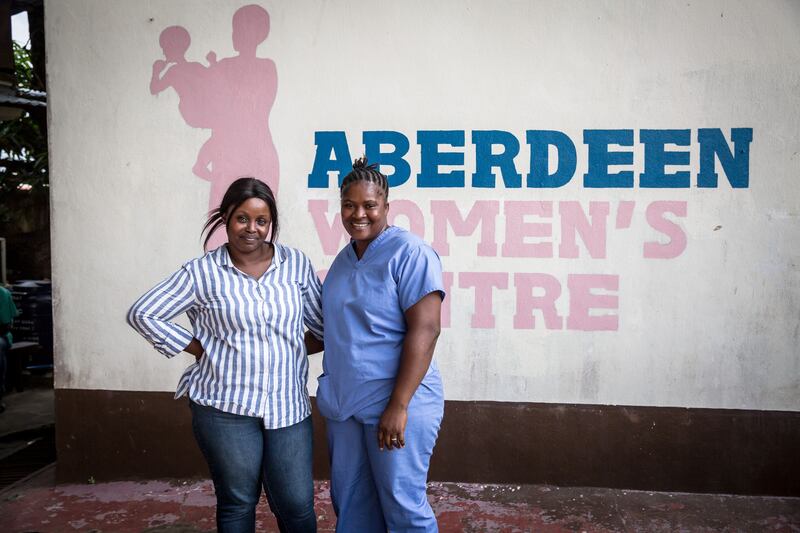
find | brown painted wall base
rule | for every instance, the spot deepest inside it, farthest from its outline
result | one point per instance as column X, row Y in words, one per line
column 111, row 435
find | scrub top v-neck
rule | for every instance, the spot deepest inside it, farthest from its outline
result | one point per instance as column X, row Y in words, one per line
column 364, row 301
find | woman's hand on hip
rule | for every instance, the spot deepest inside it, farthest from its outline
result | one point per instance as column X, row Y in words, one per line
column 392, row 427
column 195, row 348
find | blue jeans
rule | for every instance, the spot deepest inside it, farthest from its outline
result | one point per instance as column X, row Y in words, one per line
column 242, row 456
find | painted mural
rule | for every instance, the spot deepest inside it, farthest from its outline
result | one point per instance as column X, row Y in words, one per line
column 611, row 187
column 538, row 229
column 232, row 97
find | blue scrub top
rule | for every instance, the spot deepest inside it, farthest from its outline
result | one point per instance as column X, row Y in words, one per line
column 363, row 305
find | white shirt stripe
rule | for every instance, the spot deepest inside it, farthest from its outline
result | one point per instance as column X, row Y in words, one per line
column 255, row 361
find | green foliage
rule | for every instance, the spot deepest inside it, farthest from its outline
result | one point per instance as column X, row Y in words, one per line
column 24, row 178
column 23, row 66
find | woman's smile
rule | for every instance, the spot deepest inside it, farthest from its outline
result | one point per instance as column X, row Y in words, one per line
column 364, row 212
column 360, row 225
column 248, row 226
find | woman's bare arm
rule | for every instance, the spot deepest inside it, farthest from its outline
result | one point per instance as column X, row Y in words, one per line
column 424, row 324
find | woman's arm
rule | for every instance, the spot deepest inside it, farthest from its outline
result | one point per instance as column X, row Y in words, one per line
column 195, row 349
column 8, row 311
column 313, row 344
column 312, row 311
column 424, row 324
column 151, row 314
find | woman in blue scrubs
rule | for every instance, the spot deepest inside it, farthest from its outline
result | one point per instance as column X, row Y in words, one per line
column 381, row 392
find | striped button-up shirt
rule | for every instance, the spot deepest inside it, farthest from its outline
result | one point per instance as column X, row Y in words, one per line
column 251, row 330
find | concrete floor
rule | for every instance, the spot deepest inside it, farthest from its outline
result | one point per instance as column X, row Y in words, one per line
column 187, row 506
column 184, row 506
column 29, row 409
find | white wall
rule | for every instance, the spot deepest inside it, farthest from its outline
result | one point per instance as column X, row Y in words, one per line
column 716, row 326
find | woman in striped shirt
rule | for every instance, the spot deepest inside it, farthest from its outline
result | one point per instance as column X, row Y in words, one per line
column 248, row 302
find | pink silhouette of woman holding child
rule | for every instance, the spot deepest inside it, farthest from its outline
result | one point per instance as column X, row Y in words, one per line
column 232, row 97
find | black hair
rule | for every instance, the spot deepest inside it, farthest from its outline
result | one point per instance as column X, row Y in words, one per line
column 365, row 172
column 238, row 193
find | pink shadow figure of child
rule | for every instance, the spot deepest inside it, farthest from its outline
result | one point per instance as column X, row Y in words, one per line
column 188, row 79
column 233, row 97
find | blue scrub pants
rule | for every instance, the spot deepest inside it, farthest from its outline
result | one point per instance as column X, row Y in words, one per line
column 242, row 456
column 374, row 490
